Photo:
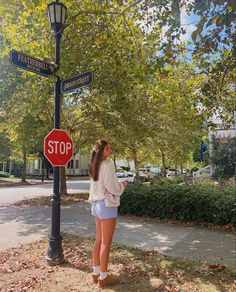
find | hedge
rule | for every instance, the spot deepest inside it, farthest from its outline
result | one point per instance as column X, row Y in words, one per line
column 180, row 202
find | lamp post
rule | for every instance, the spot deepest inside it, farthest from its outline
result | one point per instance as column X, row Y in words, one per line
column 57, row 18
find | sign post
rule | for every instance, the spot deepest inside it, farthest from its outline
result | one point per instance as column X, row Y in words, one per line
column 58, row 146
column 55, row 252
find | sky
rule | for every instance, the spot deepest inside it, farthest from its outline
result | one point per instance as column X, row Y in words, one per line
column 188, row 22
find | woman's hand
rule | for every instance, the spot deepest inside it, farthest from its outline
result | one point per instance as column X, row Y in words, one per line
column 124, row 184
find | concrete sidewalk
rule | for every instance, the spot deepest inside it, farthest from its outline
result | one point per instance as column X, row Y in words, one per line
column 19, row 225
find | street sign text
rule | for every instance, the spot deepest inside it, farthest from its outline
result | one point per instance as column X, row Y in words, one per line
column 58, row 147
column 30, row 63
column 73, row 83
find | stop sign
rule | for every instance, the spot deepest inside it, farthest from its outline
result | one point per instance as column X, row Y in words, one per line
column 58, row 147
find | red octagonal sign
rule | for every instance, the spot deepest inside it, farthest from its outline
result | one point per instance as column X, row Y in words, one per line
column 58, row 147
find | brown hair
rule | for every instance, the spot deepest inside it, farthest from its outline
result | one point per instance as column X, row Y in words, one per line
column 97, row 158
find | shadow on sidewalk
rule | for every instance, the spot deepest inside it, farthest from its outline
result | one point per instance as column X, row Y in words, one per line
column 24, row 224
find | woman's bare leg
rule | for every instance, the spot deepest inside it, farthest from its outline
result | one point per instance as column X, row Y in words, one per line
column 107, row 231
column 97, row 243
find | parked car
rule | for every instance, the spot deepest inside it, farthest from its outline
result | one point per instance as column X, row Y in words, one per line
column 154, row 172
column 130, row 173
column 4, row 174
column 143, row 174
column 171, row 172
column 122, row 173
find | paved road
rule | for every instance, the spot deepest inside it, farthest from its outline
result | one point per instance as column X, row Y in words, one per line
column 13, row 194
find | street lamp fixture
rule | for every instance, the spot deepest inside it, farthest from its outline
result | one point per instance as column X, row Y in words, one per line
column 57, row 18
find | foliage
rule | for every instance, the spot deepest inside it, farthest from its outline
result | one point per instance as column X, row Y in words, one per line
column 186, row 203
column 179, row 124
column 127, row 168
column 211, row 45
column 5, row 146
column 230, row 183
column 147, row 85
column 223, row 157
column 25, row 112
column 4, row 174
column 203, row 181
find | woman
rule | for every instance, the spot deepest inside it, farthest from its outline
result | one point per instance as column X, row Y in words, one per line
column 103, row 181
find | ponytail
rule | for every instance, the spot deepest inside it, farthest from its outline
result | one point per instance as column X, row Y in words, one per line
column 96, row 159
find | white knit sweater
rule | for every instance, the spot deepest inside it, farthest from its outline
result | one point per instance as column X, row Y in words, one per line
column 107, row 183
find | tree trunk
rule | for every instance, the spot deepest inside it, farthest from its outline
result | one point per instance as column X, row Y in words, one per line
column 47, row 172
column 181, row 165
column 43, row 166
column 48, row 167
column 163, row 163
column 128, row 164
column 136, row 165
column 23, row 177
column 176, row 165
column 63, row 187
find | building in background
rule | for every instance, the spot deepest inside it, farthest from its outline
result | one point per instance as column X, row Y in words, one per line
column 77, row 166
column 220, row 131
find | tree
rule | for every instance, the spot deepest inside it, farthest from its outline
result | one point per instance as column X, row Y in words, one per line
column 179, row 124
column 223, row 157
column 26, row 120
column 121, row 41
column 212, row 46
column 5, row 146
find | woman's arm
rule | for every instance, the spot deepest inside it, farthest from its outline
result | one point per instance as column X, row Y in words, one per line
column 111, row 183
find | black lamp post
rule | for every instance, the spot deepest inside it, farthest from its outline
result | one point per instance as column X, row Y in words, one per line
column 57, row 17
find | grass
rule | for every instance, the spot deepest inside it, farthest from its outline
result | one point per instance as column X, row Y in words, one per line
column 25, row 269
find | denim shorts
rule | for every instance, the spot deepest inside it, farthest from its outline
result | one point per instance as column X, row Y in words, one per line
column 100, row 210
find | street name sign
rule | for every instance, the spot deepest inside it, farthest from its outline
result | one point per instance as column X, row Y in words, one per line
column 58, row 147
column 30, row 63
column 73, row 83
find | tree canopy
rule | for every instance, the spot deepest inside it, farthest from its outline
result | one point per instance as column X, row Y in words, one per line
column 148, row 83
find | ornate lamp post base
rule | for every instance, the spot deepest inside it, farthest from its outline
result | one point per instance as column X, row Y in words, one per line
column 55, row 254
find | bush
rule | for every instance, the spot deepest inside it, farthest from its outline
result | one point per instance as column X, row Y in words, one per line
column 204, row 181
column 4, row 174
column 180, row 202
column 127, row 168
column 169, row 180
